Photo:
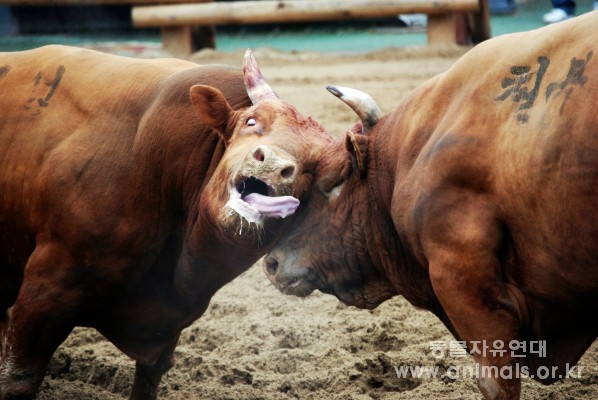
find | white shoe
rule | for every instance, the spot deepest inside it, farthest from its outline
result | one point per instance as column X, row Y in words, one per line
column 556, row 15
column 412, row 20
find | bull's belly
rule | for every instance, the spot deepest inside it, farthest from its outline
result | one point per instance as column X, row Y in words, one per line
column 15, row 249
column 144, row 330
column 145, row 351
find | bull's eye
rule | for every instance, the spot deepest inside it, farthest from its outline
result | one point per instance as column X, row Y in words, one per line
column 251, row 121
column 335, row 191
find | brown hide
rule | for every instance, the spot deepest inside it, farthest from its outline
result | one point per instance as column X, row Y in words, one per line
column 479, row 204
column 113, row 200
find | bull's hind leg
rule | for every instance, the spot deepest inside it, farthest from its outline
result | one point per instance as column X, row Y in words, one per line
column 40, row 320
column 466, row 275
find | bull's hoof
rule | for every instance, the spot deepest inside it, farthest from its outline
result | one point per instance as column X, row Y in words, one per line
column 18, row 388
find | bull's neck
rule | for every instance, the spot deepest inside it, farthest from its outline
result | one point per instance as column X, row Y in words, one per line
column 381, row 166
column 393, row 257
column 207, row 247
column 183, row 172
column 204, row 252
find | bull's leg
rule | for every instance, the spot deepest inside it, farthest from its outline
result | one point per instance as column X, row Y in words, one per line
column 467, row 277
column 147, row 377
column 40, row 320
column 9, row 284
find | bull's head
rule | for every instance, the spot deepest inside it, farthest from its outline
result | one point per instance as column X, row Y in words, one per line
column 269, row 158
column 327, row 245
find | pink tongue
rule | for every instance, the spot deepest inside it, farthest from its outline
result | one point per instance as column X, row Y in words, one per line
column 268, row 206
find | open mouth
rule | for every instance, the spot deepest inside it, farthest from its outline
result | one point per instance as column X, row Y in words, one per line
column 253, row 199
column 252, row 184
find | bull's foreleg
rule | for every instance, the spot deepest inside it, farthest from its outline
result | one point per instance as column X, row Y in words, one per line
column 40, row 320
column 147, row 377
column 467, row 276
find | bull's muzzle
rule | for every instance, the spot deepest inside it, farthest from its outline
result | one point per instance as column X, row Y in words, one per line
column 278, row 169
column 263, row 186
column 287, row 278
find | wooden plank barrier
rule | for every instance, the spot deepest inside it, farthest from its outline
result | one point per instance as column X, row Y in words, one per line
column 259, row 12
column 176, row 19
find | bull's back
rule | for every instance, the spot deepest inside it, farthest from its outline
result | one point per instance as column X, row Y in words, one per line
column 72, row 86
column 516, row 118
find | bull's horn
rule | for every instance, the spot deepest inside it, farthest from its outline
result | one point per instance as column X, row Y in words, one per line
column 362, row 103
column 257, row 87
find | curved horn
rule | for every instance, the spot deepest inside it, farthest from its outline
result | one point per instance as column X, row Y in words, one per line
column 362, row 103
column 257, row 87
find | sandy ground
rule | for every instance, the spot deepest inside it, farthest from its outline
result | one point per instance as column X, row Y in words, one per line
column 254, row 343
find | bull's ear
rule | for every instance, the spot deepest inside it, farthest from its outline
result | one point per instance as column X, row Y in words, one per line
column 357, row 145
column 212, row 109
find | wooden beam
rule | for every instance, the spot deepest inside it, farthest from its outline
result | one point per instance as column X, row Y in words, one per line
column 278, row 11
column 442, row 29
column 180, row 41
column 177, row 40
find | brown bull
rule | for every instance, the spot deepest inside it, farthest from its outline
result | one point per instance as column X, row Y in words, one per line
column 130, row 192
column 475, row 199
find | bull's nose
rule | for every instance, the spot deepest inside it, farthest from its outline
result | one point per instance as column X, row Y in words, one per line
column 286, row 276
column 270, row 266
column 282, row 166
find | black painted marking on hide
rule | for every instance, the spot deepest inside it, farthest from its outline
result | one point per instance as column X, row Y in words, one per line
column 37, row 79
column 4, row 70
column 575, row 77
column 37, row 87
column 53, row 86
column 516, row 86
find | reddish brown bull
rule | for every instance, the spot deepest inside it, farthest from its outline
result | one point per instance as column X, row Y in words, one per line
column 475, row 199
column 130, row 191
